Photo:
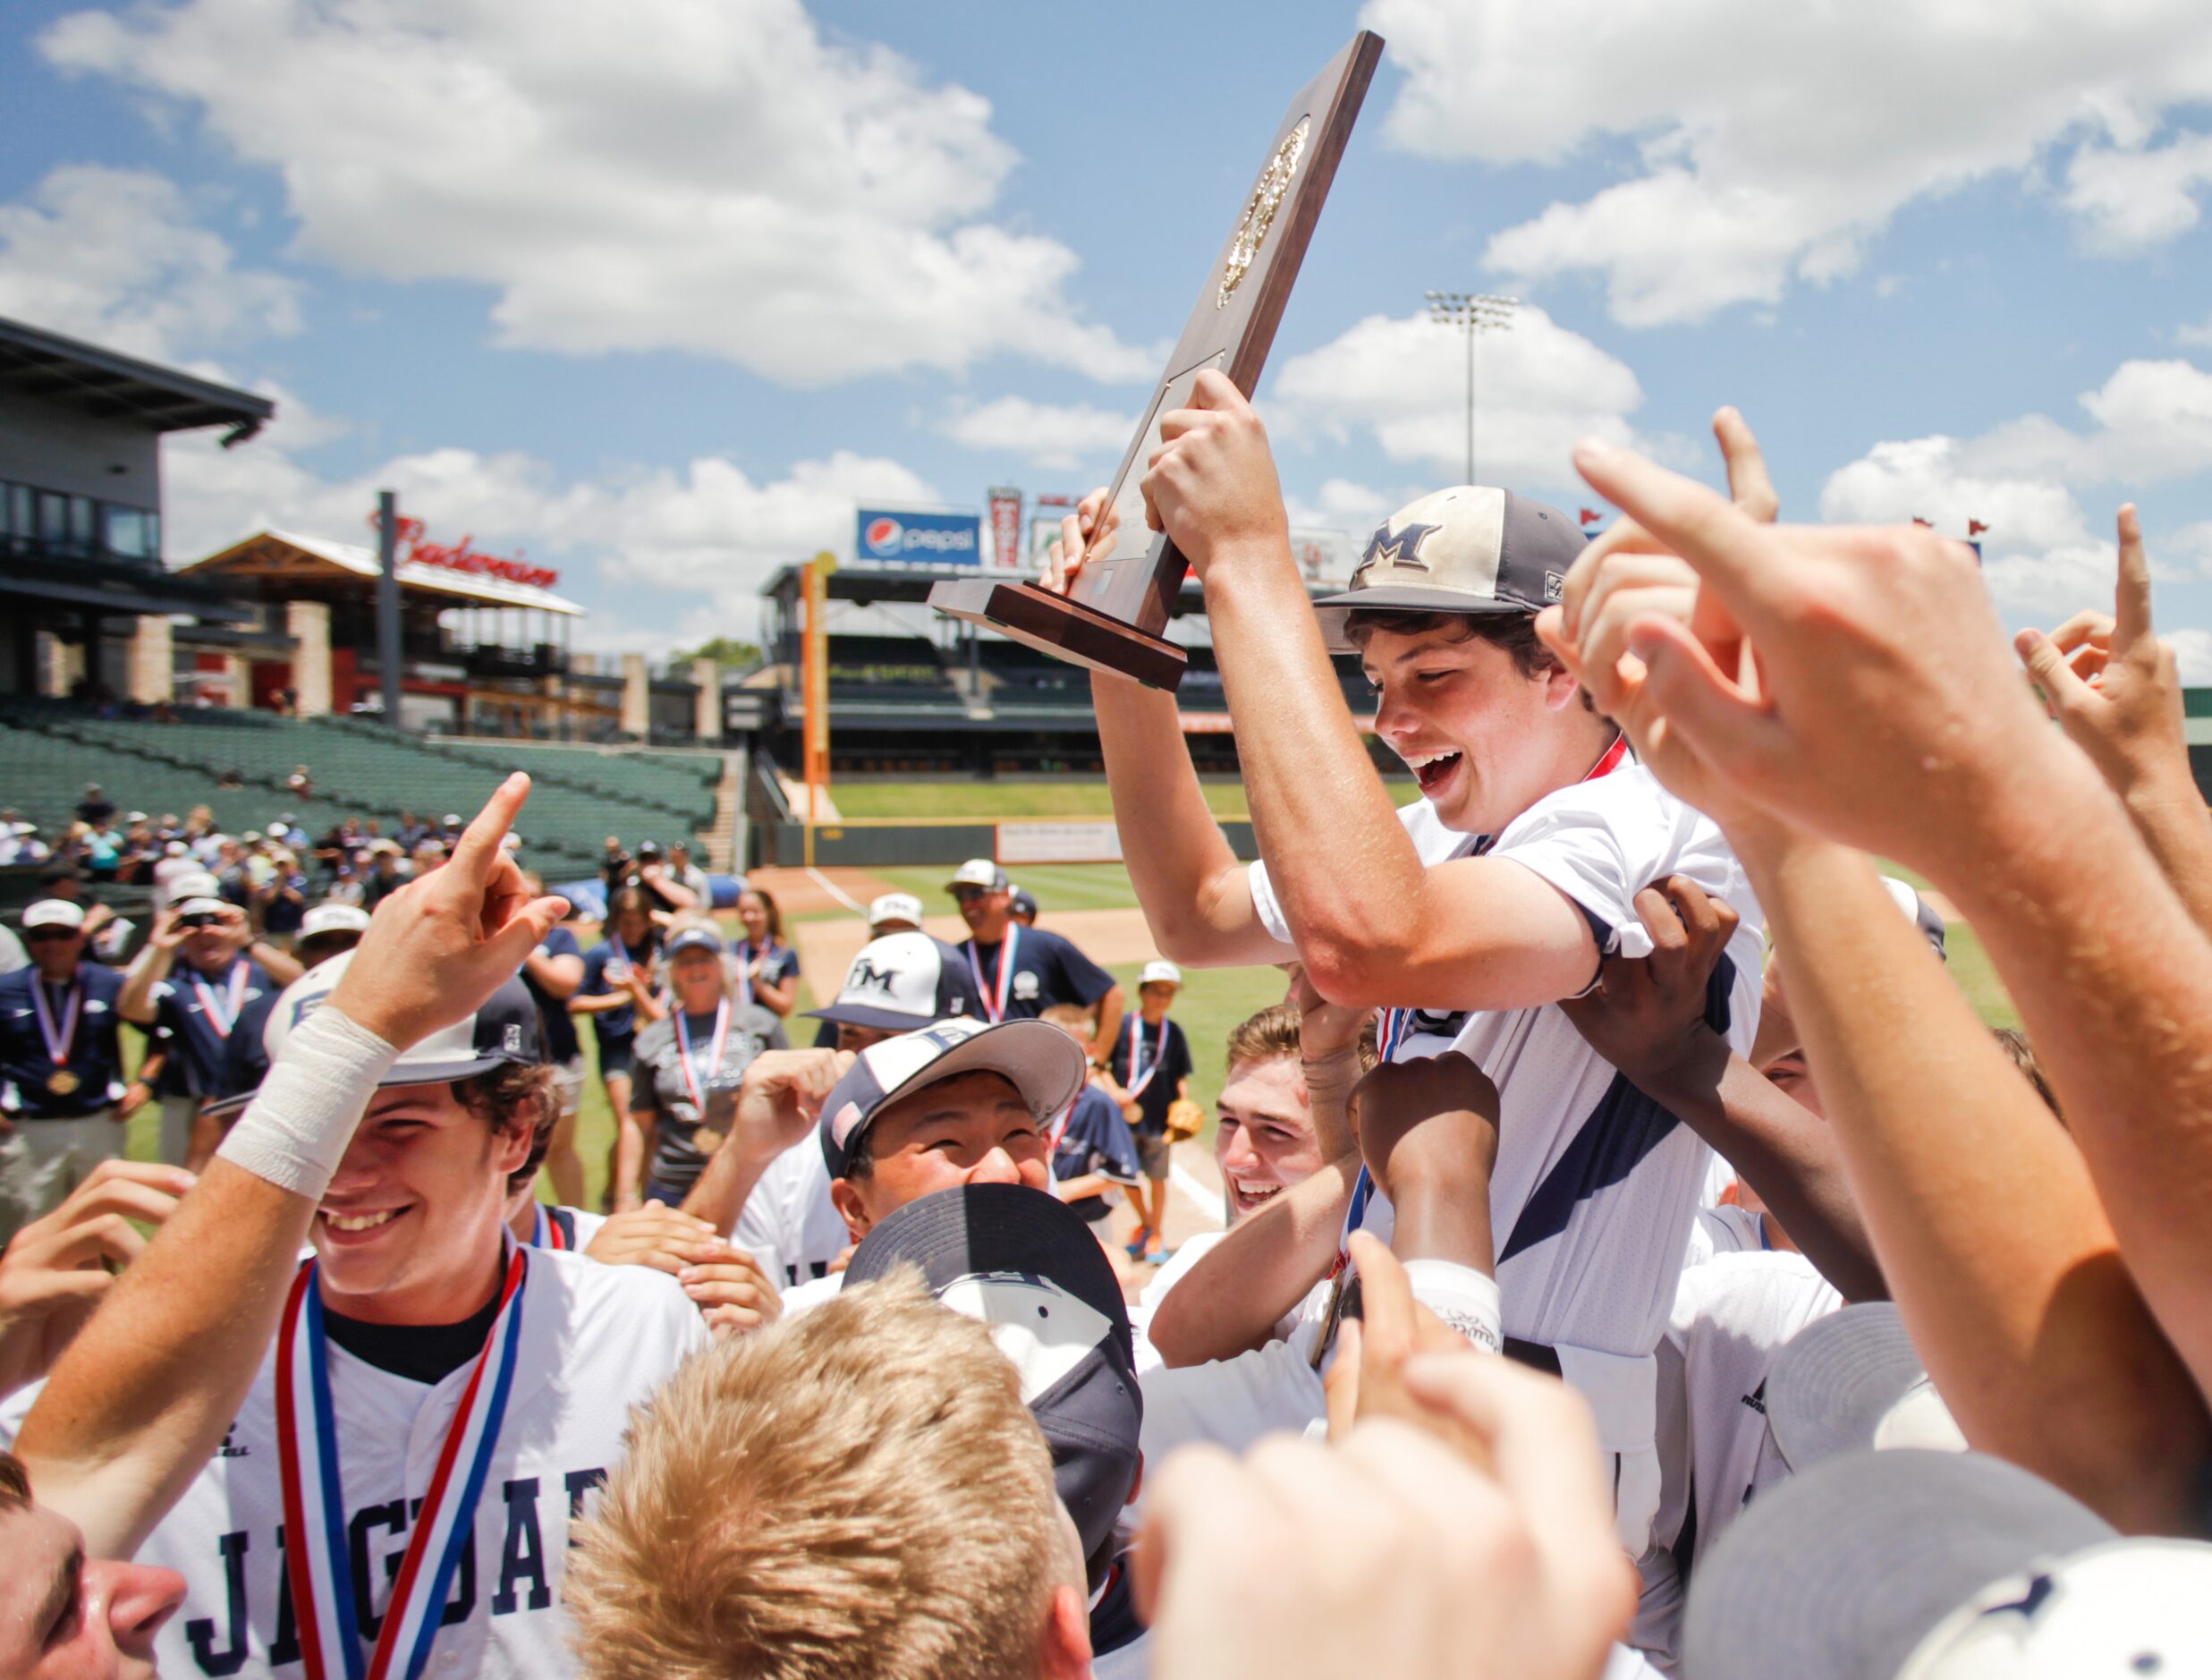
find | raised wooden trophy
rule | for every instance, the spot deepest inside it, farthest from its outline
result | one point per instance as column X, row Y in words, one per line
column 1111, row 619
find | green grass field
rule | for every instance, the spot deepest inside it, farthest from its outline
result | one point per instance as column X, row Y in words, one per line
column 987, row 801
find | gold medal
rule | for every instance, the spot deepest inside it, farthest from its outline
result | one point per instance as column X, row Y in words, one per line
column 705, row 1139
column 61, row 1081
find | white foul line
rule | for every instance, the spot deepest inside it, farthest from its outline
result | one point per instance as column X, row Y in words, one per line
column 1202, row 1195
column 836, row 892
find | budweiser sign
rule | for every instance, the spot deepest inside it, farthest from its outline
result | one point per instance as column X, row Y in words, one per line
column 459, row 557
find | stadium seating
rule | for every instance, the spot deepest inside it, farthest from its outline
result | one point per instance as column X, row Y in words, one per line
column 50, row 750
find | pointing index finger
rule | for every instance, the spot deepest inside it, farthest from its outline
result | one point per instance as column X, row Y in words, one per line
column 1721, row 543
column 478, row 849
column 1749, row 485
column 2132, row 597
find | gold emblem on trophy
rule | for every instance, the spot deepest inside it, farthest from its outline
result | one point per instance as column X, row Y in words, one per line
column 1252, row 231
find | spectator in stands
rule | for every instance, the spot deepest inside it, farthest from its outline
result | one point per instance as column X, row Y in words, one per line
column 767, row 968
column 671, row 898
column 687, row 874
column 101, row 847
column 618, row 987
column 19, row 841
column 553, row 971
column 345, row 886
column 301, row 782
column 384, row 876
column 94, row 806
column 61, row 1067
column 614, row 864
column 411, row 832
column 200, row 969
column 282, row 900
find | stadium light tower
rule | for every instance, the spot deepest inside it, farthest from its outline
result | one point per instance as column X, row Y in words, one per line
column 1473, row 313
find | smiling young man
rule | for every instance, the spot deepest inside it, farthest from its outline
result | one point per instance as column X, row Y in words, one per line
column 1471, row 913
column 382, row 1446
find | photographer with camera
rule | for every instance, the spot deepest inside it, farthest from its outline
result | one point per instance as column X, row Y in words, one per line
column 200, row 970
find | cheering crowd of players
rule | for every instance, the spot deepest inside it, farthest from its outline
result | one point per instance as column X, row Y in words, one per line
column 1637, row 1254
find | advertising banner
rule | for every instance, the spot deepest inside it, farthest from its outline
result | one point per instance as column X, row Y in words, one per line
column 1006, row 530
column 1059, row 842
column 898, row 535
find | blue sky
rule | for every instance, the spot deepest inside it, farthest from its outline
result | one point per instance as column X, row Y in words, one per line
column 657, row 295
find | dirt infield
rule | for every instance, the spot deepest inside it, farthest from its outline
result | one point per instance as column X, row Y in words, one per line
column 1106, row 936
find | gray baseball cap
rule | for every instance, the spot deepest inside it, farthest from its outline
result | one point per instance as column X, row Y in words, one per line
column 1468, row 549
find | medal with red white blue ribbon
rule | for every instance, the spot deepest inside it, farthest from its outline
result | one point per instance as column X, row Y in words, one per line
column 548, row 1232
column 222, row 1016
column 58, row 1037
column 994, row 996
column 714, row 1053
column 321, row 1570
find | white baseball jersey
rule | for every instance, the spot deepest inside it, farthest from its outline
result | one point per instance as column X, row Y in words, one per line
column 1733, row 1315
column 1728, row 1229
column 596, row 1341
column 1591, row 1196
column 789, row 1222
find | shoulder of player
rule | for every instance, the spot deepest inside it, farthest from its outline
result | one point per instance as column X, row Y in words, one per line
column 805, row 1297
column 1747, row 1283
column 591, row 1303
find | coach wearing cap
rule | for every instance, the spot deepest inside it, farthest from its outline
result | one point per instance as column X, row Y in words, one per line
column 1019, row 973
column 61, row 1067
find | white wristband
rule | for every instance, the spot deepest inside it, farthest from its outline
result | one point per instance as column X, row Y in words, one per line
column 1463, row 1297
column 295, row 1132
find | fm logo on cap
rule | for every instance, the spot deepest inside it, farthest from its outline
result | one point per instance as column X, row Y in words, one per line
column 865, row 974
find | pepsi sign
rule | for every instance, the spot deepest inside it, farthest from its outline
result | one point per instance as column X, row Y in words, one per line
column 898, row 535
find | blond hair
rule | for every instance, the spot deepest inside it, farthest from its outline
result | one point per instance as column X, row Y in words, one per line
column 852, row 1494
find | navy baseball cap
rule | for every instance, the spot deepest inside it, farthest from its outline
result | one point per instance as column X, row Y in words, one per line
column 1024, row 1263
column 1023, row 902
column 1041, row 1061
column 901, row 982
column 696, row 936
column 1467, row 549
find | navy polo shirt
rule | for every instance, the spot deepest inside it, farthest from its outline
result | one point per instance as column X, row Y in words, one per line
column 197, row 1045
column 1048, row 970
column 616, row 1026
column 94, row 1051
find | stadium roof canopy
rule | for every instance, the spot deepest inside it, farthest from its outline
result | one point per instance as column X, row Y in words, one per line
column 286, row 557
column 107, row 383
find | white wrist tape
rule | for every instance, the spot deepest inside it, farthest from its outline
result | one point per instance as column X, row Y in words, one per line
column 1463, row 1297
column 295, row 1132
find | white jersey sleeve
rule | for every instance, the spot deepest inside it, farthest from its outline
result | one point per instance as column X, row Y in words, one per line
column 1728, row 1229
column 1602, row 842
column 1232, row 1402
column 789, row 1222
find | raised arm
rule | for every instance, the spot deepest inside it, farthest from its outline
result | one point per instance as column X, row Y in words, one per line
column 145, row 1393
column 1991, row 1235
column 778, row 1102
column 2116, row 688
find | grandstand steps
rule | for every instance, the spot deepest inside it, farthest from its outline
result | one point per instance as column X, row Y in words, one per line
column 719, row 840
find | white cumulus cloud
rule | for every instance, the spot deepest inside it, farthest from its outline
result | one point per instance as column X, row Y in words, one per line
column 1767, row 145
column 2151, row 422
column 117, row 257
column 705, row 175
column 674, row 548
column 1061, row 437
column 1540, row 387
